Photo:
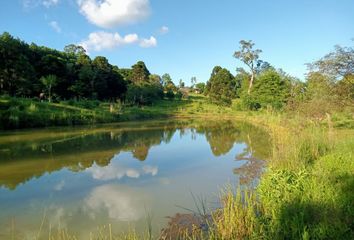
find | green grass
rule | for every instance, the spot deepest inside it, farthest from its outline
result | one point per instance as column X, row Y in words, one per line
column 28, row 113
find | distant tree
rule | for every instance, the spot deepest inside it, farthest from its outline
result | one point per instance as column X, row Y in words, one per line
column 338, row 64
column 338, row 68
column 74, row 50
column 168, row 83
column 181, row 84
column 200, row 86
column 248, row 56
column 193, row 81
column 49, row 82
column 140, row 73
column 220, row 86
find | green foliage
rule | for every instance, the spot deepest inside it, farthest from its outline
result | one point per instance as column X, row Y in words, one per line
column 167, row 83
column 143, row 94
column 22, row 67
column 170, row 95
column 49, row 82
column 178, row 95
column 270, row 89
column 140, row 73
column 221, row 87
column 200, row 86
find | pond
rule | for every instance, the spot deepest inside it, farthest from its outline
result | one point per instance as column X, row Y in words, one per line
column 85, row 177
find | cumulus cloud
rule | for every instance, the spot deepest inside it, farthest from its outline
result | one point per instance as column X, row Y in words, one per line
column 120, row 202
column 147, row 43
column 55, row 26
column 50, row 3
column 164, row 30
column 117, row 171
column 112, row 13
column 98, row 41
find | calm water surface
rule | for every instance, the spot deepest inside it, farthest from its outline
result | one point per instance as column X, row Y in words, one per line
column 82, row 178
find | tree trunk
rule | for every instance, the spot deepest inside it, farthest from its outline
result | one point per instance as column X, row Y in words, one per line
column 251, row 84
column 50, row 94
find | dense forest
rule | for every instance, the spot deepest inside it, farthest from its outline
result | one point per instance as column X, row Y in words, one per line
column 28, row 70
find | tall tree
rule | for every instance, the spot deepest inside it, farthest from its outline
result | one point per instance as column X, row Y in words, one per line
column 140, row 73
column 168, row 83
column 220, row 86
column 181, row 84
column 193, row 81
column 249, row 56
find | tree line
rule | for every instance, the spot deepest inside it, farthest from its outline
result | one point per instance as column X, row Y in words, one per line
column 29, row 70
column 329, row 83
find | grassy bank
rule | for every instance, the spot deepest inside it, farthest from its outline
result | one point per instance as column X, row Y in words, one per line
column 29, row 113
column 307, row 192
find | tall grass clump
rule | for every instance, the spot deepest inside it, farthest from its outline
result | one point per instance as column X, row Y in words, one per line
column 307, row 191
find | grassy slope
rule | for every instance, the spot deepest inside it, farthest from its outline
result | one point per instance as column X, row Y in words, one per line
column 25, row 113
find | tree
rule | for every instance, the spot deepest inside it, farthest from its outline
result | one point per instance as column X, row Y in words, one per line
column 140, row 73
column 181, row 84
column 272, row 88
column 193, row 81
column 155, row 79
column 49, row 82
column 220, row 86
column 248, row 56
column 337, row 67
column 16, row 71
column 74, row 50
column 201, row 87
column 338, row 64
column 168, row 83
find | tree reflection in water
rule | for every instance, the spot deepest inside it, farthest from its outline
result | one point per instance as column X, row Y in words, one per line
column 80, row 149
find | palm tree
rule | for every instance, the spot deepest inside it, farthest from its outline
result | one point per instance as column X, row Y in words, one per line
column 49, row 82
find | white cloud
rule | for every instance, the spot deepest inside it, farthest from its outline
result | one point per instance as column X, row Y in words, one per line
column 117, row 171
column 112, row 13
column 30, row 4
column 150, row 170
column 55, row 26
column 120, row 202
column 147, row 43
column 49, row 3
column 59, row 186
column 98, row 41
column 164, row 30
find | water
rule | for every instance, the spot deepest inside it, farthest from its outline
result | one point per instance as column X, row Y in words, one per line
column 85, row 177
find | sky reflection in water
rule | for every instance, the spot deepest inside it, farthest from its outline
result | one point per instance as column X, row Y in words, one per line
column 82, row 178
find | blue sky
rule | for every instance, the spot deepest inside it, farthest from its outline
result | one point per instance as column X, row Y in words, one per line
column 185, row 37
